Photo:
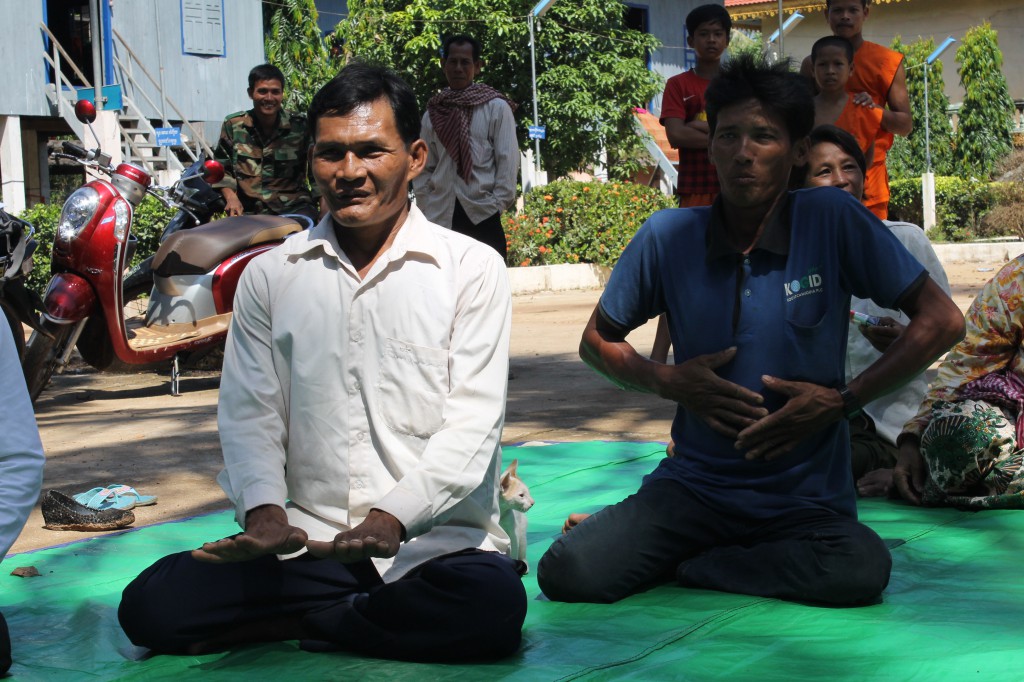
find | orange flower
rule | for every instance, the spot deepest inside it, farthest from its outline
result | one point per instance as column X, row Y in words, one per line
column 550, row 234
column 558, row 210
column 524, row 263
column 586, row 189
column 548, row 197
column 545, row 220
column 575, row 197
column 543, row 249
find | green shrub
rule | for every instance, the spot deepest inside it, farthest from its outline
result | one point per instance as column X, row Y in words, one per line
column 150, row 219
column 960, row 204
column 579, row 222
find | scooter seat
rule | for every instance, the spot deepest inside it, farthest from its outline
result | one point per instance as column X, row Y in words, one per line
column 200, row 249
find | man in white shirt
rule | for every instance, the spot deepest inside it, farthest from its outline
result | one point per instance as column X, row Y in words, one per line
column 473, row 160
column 361, row 408
column 21, row 461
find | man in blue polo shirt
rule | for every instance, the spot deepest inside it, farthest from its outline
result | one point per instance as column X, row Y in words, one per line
column 758, row 497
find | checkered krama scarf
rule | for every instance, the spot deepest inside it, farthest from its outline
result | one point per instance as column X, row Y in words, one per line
column 451, row 112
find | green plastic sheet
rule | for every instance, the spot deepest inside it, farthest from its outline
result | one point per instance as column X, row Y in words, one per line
column 953, row 610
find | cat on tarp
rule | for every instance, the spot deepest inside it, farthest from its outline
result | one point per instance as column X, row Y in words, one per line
column 514, row 501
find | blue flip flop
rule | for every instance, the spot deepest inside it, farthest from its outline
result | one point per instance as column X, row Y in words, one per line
column 105, row 498
column 131, row 493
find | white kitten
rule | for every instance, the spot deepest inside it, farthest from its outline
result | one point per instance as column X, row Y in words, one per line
column 514, row 502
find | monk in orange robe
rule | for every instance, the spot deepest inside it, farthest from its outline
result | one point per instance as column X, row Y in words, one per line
column 880, row 79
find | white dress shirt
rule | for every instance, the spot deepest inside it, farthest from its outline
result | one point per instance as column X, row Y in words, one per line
column 492, row 186
column 343, row 394
column 21, row 452
column 891, row 411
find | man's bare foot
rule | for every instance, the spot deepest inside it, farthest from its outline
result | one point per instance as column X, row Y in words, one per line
column 877, row 483
column 573, row 521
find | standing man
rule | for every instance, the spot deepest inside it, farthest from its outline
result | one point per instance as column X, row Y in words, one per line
column 473, row 160
column 360, row 416
column 21, row 462
column 878, row 79
column 263, row 151
column 758, row 498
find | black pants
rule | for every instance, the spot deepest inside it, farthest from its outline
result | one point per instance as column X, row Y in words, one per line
column 488, row 231
column 663, row 531
column 5, row 647
column 467, row 605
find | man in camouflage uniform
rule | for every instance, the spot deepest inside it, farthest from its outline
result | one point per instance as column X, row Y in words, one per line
column 264, row 153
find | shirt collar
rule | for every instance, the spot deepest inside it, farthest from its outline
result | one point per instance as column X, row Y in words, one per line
column 414, row 236
column 774, row 238
column 284, row 121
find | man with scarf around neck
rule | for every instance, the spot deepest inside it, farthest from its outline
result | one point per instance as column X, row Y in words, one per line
column 470, row 178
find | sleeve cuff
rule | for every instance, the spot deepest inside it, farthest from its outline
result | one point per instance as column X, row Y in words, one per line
column 413, row 512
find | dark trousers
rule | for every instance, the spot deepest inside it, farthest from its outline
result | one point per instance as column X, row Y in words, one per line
column 663, row 531
column 467, row 605
column 5, row 646
column 488, row 231
column 868, row 450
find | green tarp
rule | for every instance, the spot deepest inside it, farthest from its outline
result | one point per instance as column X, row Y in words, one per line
column 954, row 609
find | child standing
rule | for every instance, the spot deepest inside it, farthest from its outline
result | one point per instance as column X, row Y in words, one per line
column 682, row 106
column 832, row 58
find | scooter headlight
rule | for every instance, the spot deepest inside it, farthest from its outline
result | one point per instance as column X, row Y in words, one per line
column 122, row 218
column 78, row 210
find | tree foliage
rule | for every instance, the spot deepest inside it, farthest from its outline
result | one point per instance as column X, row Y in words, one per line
column 294, row 45
column 591, row 70
column 907, row 156
column 986, row 117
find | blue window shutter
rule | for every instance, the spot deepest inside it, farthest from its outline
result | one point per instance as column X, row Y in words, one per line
column 202, row 26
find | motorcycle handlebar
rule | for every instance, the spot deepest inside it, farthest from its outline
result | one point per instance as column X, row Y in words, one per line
column 74, row 150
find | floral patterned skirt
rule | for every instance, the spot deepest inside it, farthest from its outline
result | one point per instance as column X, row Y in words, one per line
column 973, row 458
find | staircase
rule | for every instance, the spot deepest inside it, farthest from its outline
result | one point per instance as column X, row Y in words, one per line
column 137, row 132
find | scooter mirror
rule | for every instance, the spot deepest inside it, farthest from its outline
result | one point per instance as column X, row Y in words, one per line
column 85, row 111
column 213, row 171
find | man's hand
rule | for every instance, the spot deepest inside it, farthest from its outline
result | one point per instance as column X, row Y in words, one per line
column 911, row 472
column 232, row 206
column 809, row 409
column 724, row 406
column 378, row 536
column 881, row 336
column 573, row 521
column 877, row 483
column 267, row 531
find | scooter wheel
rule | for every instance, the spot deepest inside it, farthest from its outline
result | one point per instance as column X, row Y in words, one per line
column 41, row 355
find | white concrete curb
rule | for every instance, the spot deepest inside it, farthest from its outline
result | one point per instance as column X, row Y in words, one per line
column 537, row 278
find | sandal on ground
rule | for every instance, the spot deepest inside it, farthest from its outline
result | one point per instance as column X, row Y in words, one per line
column 131, row 493
column 105, row 498
column 60, row 512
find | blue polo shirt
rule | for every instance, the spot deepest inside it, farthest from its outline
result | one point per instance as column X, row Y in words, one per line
column 785, row 305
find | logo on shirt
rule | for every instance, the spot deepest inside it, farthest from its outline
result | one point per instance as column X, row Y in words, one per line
column 810, row 283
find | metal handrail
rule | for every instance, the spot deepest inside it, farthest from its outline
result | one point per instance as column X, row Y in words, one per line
column 185, row 122
column 60, row 48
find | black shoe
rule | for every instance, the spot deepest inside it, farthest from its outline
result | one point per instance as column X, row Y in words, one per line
column 60, row 512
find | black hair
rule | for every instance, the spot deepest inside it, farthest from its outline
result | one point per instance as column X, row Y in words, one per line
column 842, row 139
column 458, row 40
column 265, row 72
column 704, row 14
column 360, row 83
column 828, row 4
column 832, row 135
column 832, row 41
column 751, row 76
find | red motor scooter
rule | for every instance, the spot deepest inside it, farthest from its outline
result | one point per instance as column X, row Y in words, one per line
column 90, row 306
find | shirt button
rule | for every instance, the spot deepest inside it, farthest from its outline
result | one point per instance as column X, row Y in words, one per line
column 746, row 261
column 746, row 292
column 357, row 336
column 356, row 386
column 357, row 483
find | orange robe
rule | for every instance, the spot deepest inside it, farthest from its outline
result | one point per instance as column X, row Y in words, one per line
column 874, row 69
column 865, row 125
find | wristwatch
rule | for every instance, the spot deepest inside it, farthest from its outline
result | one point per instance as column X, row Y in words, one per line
column 851, row 405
